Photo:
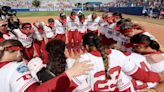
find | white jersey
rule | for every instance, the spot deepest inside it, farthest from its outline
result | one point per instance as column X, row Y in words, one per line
column 9, row 36
column 37, row 35
column 93, row 25
column 24, row 39
column 82, row 28
column 15, row 77
column 49, row 33
column 141, row 62
column 72, row 24
column 60, row 29
column 96, row 78
column 156, row 61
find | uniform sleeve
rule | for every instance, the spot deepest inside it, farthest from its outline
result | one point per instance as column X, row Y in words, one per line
column 48, row 32
column 78, row 80
column 70, row 62
column 21, row 79
column 78, row 84
column 146, row 76
column 60, row 83
column 133, row 70
column 127, row 66
column 124, row 82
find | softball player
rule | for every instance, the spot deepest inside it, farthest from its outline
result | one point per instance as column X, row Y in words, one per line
column 25, row 36
column 151, row 49
column 5, row 33
column 16, row 77
column 141, row 62
column 108, row 69
column 40, row 40
column 72, row 22
column 82, row 29
column 93, row 23
column 49, row 29
column 60, row 27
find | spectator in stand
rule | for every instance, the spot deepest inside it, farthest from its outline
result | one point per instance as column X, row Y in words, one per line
column 144, row 12
column 161, row 13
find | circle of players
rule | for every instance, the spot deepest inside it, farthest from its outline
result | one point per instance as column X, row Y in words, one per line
column 115, row 32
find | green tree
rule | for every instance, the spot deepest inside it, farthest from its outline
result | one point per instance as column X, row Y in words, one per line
column 36, row 3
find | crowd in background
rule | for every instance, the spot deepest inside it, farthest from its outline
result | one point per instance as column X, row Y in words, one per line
column 135, row 3
column 44, row 4
column 16, row 3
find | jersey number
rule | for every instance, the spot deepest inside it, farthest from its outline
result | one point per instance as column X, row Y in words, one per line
column 115, row 70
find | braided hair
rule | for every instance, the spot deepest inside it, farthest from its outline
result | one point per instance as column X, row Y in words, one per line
column 56, row 56
column 91, row 40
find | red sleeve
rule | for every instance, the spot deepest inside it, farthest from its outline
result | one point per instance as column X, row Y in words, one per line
column 73, row 85
column 2, row 39
column 146, row 76
column 58, row 84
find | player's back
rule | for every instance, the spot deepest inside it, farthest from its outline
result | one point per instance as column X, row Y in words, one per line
column 15, row 77
column 156, row 61
column 141, row 62
column 96, row 78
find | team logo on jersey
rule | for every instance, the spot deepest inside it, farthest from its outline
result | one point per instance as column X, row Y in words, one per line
column 22, row 69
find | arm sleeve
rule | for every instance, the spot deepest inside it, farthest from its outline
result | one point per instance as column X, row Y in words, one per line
column 127, row 66
column 58, row 84
column 146, row 76
column 79, row 79
column 133, row 70
column 124, row 83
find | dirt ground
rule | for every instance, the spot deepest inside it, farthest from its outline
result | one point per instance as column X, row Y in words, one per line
column 154, row 29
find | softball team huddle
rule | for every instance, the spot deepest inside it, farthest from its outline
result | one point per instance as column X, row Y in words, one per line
column 122, row 56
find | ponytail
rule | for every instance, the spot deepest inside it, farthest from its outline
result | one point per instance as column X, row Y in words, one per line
column 92, row 40
column 154, row 45
column 104, row 54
